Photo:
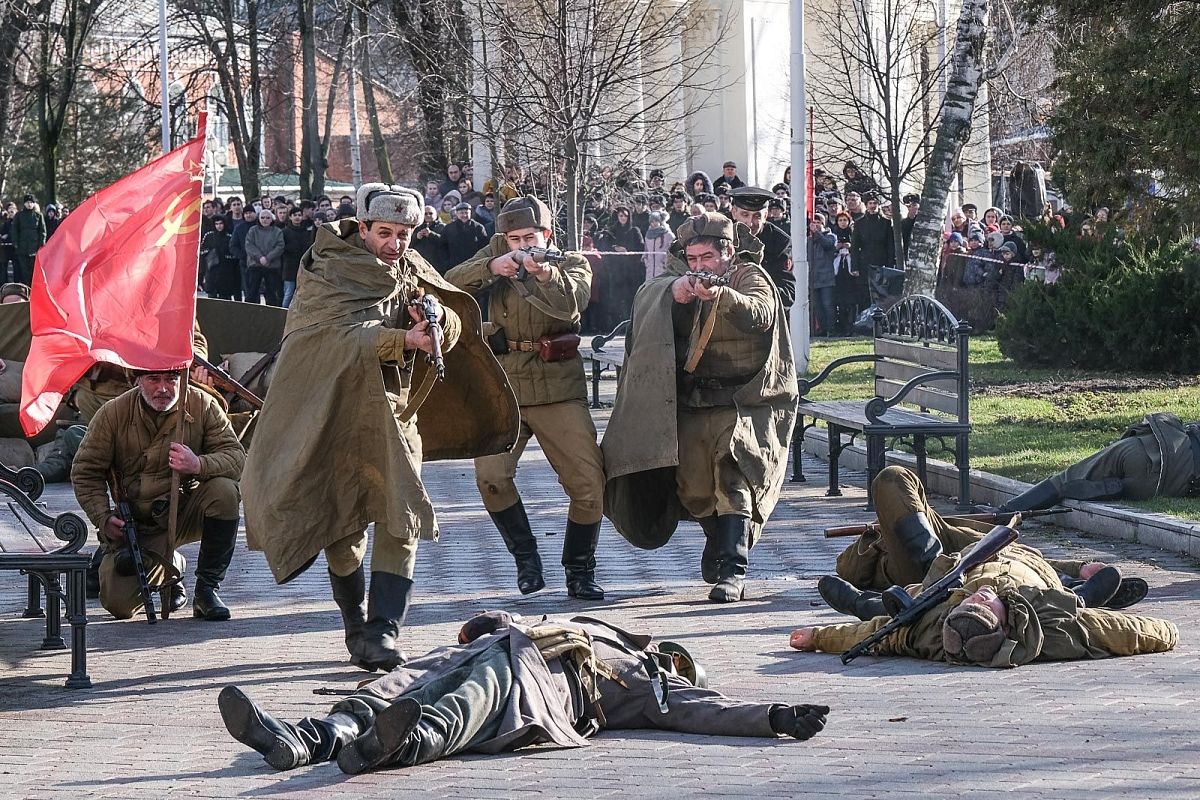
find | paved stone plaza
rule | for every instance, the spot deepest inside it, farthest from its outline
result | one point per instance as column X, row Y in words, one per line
column 149, row 728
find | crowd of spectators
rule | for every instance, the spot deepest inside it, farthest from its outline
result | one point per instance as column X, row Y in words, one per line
column 23, row 231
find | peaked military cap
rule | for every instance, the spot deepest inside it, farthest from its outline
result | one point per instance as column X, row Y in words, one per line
column 750, row 198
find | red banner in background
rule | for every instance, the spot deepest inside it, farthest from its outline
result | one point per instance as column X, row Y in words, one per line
column 117, row 282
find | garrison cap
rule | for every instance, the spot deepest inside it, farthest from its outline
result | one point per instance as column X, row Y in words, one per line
column 524, row 212
column 750, row 198
column 383, row 202
column 710, row 223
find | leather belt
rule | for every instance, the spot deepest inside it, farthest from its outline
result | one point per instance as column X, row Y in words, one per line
column 524, row 347
column 716, row 383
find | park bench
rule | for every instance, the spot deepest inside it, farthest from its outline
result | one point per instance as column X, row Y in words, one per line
column 920, row 360
column 602, row 359
column 45, row 547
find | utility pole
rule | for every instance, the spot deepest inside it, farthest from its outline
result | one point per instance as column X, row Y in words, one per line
column 799, row 318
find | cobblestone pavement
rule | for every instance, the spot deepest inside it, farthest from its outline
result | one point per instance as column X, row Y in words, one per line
column 149, row 728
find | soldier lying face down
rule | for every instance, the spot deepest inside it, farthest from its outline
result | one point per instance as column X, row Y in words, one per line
column 508, row 685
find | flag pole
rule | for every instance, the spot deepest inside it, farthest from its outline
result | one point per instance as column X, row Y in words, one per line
column 173, row 514
column 164, row 77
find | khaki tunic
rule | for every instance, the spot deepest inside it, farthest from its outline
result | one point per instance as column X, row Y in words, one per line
column 552, row 395
column 551, row 308
column 130, row 437
column 334, row 450
column 1045, row 621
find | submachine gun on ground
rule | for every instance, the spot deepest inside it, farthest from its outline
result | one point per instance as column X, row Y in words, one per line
column 907, row 610
column 132, row 545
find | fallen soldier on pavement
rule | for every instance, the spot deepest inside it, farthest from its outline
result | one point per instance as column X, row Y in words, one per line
column 910, row 534
column 1010, row 610
column 508, row 685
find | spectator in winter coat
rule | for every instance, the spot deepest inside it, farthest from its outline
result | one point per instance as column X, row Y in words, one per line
column 729, row 177
column 463, row 237
column 264, row 261
column 428, row 242
column 659, row 239
column 850, row 286
column 624, row 273
column 222, row 272
column 872, row 249
column 485, row 214
column 28, row 233
column 699, row 183
column 822, row 247
column 679, row 211
column 453, row 176
column 298, row 237
column 856, row 181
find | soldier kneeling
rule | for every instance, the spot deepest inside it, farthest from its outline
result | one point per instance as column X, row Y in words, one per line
column 130, row 440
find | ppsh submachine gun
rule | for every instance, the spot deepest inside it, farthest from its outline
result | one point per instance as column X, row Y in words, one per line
column 431, row 312
column 133, row 546
column 906, row 610
column 542, row 255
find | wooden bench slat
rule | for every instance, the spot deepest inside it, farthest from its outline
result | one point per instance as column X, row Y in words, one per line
column 615, row 358
column 904, row 372
column 921, row 396
column 854, row 415
column 935, row 357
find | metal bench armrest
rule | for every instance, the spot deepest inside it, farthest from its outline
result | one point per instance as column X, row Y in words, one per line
column 805, row 385
column 599, row 341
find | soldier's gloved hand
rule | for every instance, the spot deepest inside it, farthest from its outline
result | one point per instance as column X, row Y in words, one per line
column 800, row 722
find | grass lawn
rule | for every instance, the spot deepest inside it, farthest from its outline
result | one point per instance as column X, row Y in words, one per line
column 1031, row 422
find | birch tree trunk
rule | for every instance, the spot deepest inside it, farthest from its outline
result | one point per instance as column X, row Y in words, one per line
column 966, row 75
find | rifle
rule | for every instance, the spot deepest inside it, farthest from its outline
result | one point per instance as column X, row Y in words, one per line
column 906, row 610
column 542, row 256
column 227, row 383
column 708, row 278
column 431, row 311
column 125, row 512
column 994, row 518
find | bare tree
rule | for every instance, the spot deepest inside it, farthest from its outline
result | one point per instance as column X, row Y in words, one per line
column 231, row 32
column 568, row 80
column 365, row 64
column 882, row 100
column 62, row 31
column 312, row 163
column 17, row 18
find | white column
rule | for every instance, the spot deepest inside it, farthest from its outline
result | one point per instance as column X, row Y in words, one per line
column 799, row 317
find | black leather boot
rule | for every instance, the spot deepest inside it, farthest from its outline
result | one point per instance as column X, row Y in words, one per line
column 381, row 744
column 91, row 579
column 216, row 551
column 387, row 606
column 917, row 541
column 842, row 596
column 1039, row 496
column 1100, row 588
column 733, row 552
column 579, row 560
column 282, row 744
column 710, row 559
column 350, row 594
column 513, row 524
column 1131, row 592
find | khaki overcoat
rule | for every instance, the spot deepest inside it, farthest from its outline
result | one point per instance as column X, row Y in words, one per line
column 329, row 455
column 641, row 443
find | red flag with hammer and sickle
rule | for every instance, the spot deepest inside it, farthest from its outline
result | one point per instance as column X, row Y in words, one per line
column 117, row 282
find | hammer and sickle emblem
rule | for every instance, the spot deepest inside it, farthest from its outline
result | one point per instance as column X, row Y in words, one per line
column 175, row 219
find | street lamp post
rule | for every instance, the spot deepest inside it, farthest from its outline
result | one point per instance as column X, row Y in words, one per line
column 799, row 318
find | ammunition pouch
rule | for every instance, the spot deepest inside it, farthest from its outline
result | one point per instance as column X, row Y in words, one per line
column 563, row 347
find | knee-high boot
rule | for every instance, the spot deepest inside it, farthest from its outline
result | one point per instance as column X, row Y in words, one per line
column 284, row 745
column 513, row 524
column 217, row 541
column 579, row 560
column 733, row 550
column 387, row 607
column 350, row 594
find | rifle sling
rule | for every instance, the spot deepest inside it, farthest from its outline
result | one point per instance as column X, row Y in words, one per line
column 700, row 341
column 260, row 366
column 541, row 305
